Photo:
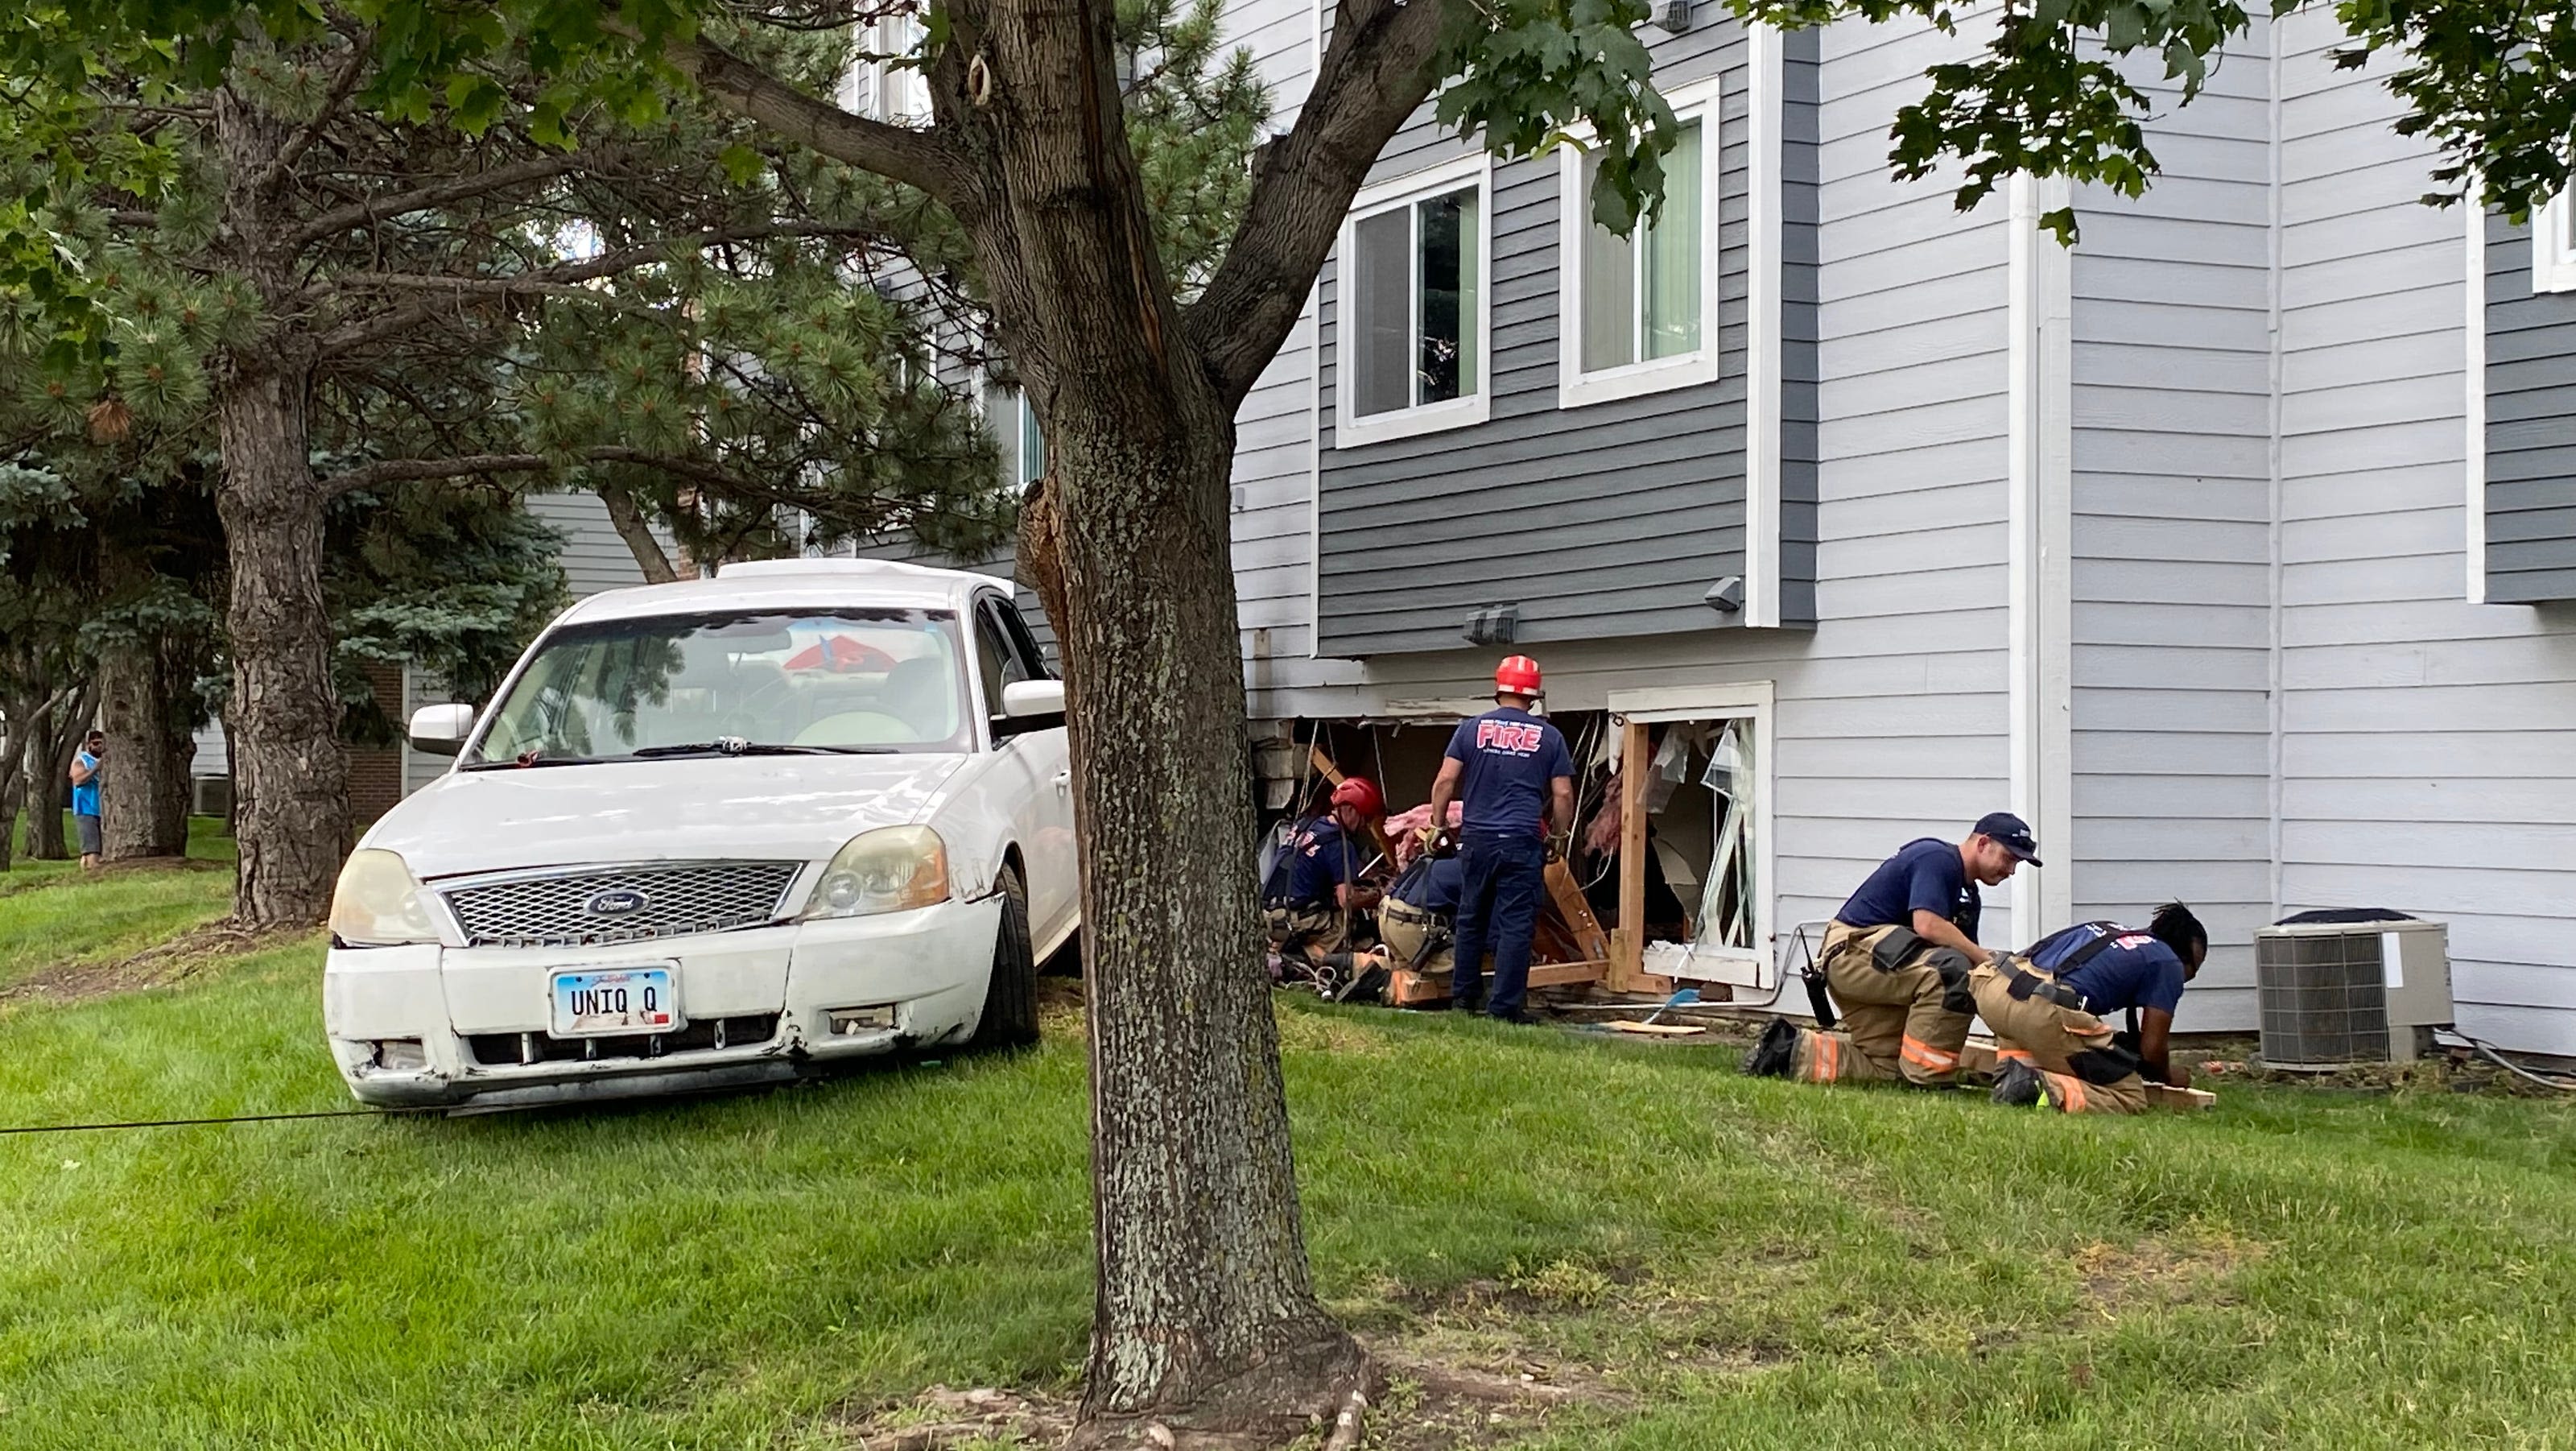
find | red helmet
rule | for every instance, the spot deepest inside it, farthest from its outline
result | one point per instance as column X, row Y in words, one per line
column 1518, row 676
column 1360, row 794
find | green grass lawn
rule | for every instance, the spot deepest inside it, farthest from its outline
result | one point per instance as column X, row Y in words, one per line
column 1737, row 1262
column 50, row 915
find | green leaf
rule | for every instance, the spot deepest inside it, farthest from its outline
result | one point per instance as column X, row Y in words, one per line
column 474, row 103
column 741, row 164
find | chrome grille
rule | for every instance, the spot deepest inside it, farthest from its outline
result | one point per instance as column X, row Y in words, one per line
column 643, row 902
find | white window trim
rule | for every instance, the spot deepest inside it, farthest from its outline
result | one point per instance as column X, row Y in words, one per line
column 908, row 35
column 1576, row 388
column 1753, row 699
column 1349, row 429
column 2553, row 250
column 2474, row 402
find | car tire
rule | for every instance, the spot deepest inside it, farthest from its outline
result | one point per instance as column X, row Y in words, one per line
column 1010, row 1017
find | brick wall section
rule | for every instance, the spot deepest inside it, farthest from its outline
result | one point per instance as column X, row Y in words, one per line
column 375, row 772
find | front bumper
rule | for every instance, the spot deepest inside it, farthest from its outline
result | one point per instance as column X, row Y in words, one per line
column 429, row 1025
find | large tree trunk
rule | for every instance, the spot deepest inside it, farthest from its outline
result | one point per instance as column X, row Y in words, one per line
column 49, row 774
column 290, row 778
column 21, row 711
column 141, row 710
column 1206, row 1316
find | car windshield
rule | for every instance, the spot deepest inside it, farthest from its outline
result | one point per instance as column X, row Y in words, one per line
column 858, row 681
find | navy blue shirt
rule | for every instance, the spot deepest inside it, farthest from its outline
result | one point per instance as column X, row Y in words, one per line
column 1318, row 859
column 1926, row 876
column 1432, row 885
column 1512, row 757
column 2135, row 971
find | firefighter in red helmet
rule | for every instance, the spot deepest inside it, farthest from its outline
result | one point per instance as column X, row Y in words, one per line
column 1315, row 885
column 1514, row 780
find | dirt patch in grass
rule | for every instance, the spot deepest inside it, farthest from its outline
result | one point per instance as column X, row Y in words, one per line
column 176, row 960
column 2161, row 1270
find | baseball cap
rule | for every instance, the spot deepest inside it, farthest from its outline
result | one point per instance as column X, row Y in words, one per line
column 2013, row 832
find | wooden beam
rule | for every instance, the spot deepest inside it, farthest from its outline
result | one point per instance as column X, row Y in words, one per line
column 1407, row 987
column 1627, row 961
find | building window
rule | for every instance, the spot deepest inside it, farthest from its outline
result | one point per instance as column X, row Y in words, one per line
column 902, row 88
column 1638, row 314
column 1414, row 313
column 2553, row 246
column 1015, row 427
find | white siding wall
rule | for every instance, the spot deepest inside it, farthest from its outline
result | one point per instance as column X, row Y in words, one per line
column 2429, row 745
column 1891, row 715
column 2171, row 622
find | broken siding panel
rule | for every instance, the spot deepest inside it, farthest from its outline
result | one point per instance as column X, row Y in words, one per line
column 2170, row 646
column 1613, row 518
column 2531, row 427
column 2388, row 762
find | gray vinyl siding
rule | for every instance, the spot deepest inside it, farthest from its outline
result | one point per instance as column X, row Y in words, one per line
column 1890, row 717
column 2170, row 618
column 592, row 556
column 1800, row 76
column 2531, row 427
column 2429, row 745
column 1603, row 521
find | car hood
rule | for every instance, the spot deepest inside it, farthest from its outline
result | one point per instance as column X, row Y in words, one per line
column 772, row 808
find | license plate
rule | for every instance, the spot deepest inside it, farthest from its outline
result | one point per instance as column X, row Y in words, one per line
column 621, row 1001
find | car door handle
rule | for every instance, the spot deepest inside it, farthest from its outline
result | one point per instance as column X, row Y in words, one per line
column 1064, row 780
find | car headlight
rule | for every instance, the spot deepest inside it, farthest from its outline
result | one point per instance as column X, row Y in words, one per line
column 378, row 903
column 886, row 870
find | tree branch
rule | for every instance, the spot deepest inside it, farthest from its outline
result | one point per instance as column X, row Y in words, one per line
column 562, row 279
column 917, row 158
column 628, row 521
column 273, row 180
column 407, row 470
column 1376, row 72
column 377, row 209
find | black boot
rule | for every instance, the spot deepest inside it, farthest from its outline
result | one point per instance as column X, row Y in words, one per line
column 1776, row 1052
column 2016, row 1084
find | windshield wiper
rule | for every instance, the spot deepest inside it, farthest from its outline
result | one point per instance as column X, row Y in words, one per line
column 532, row 758
column 737, row 746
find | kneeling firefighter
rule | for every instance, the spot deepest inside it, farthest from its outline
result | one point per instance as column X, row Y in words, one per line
column 2050, row 1040
column 1417, row 921
column 1316, row 884
column 1898, row 958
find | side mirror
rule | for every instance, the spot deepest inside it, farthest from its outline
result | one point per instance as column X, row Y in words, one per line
column 1030, row 705
column 441, row 729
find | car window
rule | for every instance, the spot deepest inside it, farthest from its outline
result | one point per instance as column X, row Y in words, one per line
column 857, row 679
column 1026, row 642
column 995, row 655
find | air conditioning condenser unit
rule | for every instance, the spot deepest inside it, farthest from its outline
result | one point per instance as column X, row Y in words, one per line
column 2332, row 994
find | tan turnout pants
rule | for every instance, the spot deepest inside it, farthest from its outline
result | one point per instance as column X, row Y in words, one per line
column 1313, row 931
column 1402, row 927
column 1908, row 1022
column 2071, row 1048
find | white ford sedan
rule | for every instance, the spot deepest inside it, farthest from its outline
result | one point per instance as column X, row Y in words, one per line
column 717, row 832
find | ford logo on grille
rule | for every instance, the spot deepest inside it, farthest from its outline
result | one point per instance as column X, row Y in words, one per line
column 617, row 902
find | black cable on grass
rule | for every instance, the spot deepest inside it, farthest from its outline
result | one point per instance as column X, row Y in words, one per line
column 247, row 1118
